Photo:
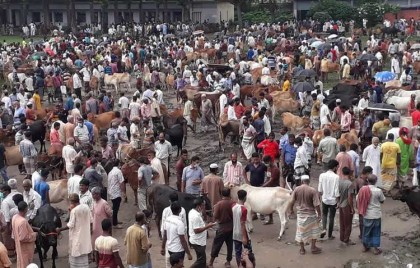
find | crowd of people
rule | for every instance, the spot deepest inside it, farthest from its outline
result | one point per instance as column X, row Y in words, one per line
column 270, row 157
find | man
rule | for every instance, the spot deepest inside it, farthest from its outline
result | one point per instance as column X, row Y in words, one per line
column 77, row 85
column 212, row 185
column 354, row 148
column 223, row 214
column 288, row 156
column 3, row 164
column 330, row 195
column 192, row 177
column 6, row 206
column 188, row 107
column 156, row 165
column 179, row 167
column 81, row 132
column 90, row 174
column 29, row 154
column 249, row 135
column 345, row 205
column 163, row 149
column 366, row 128
column 344, row 160
column 134, row 108
column 240, row 233
column 91, row 104
column 415, row 116
column 146, row 175
column 390, row 161
column 345, row 120
column 301, row 163
column 206, row 111
column 24, row 236
column 85, row 196
column 174, row 234
column 407, row 156
column 257, row 171
column 369, row 203
column 69, row 129
column 74, row 181
column 69, row 155
column 137, row 243
column 324, row 114
column 198, row 232
column 308, row 215
column 79, row 227
column 232, row 172
column 328, row 148
column 116, row 187
column 357, row 185
column 107, row 248
column 32, row 198
column 101, row 211
column 346, row 69
column 42, row 187
column 122, row 135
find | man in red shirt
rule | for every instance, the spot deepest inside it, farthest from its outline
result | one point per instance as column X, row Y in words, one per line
column 270, row 146
column 179, row 167
column 239, row 108
column 415, row 116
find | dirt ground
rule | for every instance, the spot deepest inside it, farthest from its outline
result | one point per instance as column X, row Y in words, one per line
column 400, row 229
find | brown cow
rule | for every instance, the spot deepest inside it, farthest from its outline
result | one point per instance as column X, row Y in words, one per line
column 416, row 67
column 293, row 122
column 101, row 121
column 284, row 105
column 333, row 67
column 227, row 127
column 349, row 138
column 13, row 156
column 212, row 96
column 58, row 191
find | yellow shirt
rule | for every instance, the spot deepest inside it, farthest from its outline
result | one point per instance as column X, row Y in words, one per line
column 389, row 151
column 37, row 100
column 136, row 242
column 286, row 85
column 376, row 127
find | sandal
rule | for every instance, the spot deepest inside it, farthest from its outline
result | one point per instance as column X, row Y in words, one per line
column 323, row 233
column 316, row 251
column 377, row 251
column 302, row 251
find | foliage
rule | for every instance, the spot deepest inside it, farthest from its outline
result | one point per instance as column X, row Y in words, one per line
column 336, row 9
column 321, row 16
column 374, row 12
column 262, row 15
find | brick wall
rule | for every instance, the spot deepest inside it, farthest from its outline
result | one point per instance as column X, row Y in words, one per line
column 404, row 14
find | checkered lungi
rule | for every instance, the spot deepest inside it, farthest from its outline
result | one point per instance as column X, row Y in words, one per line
column 30, row 164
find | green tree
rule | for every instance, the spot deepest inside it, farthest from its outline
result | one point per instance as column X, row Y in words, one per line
column 336, row 9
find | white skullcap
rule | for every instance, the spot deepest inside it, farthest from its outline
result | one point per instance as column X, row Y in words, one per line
column 338, row 100
column 214, row 165
column 304, row 177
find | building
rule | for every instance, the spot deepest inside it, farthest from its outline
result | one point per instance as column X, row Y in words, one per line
column 93, row 12
column 301, row 7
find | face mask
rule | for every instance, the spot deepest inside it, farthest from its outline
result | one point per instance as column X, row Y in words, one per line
column 295, row 145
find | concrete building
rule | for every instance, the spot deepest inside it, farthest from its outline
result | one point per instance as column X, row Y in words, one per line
column 90, row 11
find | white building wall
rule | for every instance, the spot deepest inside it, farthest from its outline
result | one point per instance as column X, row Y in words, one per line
column 226, row 12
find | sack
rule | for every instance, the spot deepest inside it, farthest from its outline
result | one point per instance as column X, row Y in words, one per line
column 415, row 177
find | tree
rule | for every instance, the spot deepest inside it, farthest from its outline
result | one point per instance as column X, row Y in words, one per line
column 336, row 9
column 374, row 12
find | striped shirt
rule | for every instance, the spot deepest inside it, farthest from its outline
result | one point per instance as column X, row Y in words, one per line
column 232, row 174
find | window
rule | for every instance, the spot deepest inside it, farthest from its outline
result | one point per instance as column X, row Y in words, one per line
column 196, row 16
column 58, row 17
column 36, row 17
column 81, row 17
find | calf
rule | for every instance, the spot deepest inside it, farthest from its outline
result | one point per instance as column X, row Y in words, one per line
column 284, row 105
column 58, row 190
column 293, row 122
column 265, row 200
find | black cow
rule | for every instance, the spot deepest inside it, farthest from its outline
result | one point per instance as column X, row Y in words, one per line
column 411, row 196
column 158, row 200
column 38, row 130
column 176, row 135
column 46, row 221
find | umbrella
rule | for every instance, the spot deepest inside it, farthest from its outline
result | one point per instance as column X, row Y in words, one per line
column 317, row 44
column 303, row 87
column 312, row 40
column 332, row 36
column 367, row 57
column 198, row 32
column 381, row 107
column 415, row 46
column 384, row 76
column 306, row 73
column 325, row 46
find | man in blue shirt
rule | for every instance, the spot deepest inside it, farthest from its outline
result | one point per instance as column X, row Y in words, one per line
column 192, row 176
column 107, row 68
column 69, row 102
column 250, row 54
column 258, row 124
column 288, row 155
column 89, row 126
column 42, row 188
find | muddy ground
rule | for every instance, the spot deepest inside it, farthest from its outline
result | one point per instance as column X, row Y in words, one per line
column 400, row 229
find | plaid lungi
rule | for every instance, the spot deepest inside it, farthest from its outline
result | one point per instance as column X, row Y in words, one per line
column 30, row 164
column 81, row 261
column 388, row 176
column 315, row 122
column 372, row 233
column 307, row 228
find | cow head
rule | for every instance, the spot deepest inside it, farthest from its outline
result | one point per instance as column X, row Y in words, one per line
column 48, row 233
column 403, row 193
column 207, row 205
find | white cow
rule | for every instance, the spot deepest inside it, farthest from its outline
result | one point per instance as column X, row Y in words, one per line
column 402, row 93
column 117, row 79
column 265, row 200
column 21, row 77
column 400, row 103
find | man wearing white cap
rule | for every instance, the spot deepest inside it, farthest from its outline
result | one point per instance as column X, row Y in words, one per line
column 212, row 185
column 336, row 115
column 308, row 215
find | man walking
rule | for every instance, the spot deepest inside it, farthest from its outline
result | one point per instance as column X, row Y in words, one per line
column 192, row 176
column 224, row 216
column 29, row 153
column 179, row 167
column 198, row 232
column 308, row 215
column 79, row 233
column 344, row 160
column 145, row 174
column 345, row 205
column 69, row 155
column 163, row 150
column 74, row 181
column 328, row 148
column 240, row 233
column 328, row 190
column 390, row 160
column 116, row 187
column 32, row 198
column 212, row 185
column 107, row 248
column 369, row 203
column 137, row 243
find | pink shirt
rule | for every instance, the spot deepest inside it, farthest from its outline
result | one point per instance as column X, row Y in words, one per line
column 146, row 110
column 232, row 174
column 345, row 121
column 54, row 137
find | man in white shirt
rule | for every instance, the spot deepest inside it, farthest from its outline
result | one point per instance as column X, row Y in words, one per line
column 32, row 198
column 363, row 102
column 86, row 75
column 188, row 107
column 163, row 149
column 324, row 114
column 198, row 232
column 231, row 111
column 134, row 108
column 115, row 191
column 73, row 183
column 330, row 196
column 174, row 234
column 69, row 154
column 395, row 65
column 222, row 102
column 81, row 132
